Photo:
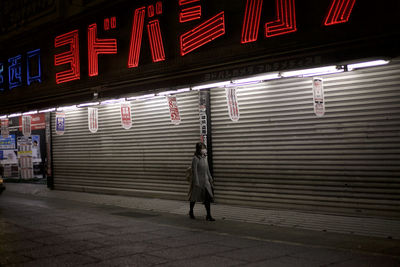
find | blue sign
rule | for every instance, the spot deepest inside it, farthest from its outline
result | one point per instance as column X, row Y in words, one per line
column 60, row 124
column 14, row 72
column 1, row 76
column 31, row 55
column 7, row 143
column 1, row 155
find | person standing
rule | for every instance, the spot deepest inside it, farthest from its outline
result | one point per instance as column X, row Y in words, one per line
column 201, row 184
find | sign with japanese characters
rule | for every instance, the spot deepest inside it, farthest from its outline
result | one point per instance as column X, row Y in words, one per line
column 318, row 95
column 232, row 103
column 174, row 110
column 7, row 142
column 5, row 131
column 60, row 123
column 38, row 121
column 163, row 44
column 26, row 125
column 93, row 119
column 25, row 157
column 126, row 117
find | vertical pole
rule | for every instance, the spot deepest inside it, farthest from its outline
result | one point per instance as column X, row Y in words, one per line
column 49, row 152
column 205, row 124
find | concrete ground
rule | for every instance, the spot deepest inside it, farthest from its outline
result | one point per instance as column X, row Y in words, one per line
column 57, row 228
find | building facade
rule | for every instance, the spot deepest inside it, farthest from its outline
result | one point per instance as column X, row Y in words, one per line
column 298, row 101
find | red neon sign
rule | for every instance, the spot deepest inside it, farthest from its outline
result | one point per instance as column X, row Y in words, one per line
column 286, row 19
column 96, row 47
column 155, row 39
column 200, row 35
column 136, row 37
column 69, row 57
column 203, row 34
column 190, row 13
column 154, row 34
column 251, row 21
column 339, row 12
column 185, row 2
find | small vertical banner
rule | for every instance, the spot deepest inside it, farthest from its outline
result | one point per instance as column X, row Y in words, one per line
column 60, row 123
column 93, row 119
column 5, row 130
column 203, row 97
column 25, row 156
column 26, row 125
column 232, row 103
column 318, row 95
column 174, row 110
column 126, row 117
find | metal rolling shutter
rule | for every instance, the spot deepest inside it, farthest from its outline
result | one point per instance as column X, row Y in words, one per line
column 280, row 154
column 149, row 159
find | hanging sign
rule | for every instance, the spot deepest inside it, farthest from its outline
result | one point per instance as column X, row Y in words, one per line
column 38, row 122
column 24, row 145
column 93, row 119
column 318, row 94
column 174, row 110
column 60, row 123
column 5, row 131
column 232, row 103
column 26, row 125
column 126, row 118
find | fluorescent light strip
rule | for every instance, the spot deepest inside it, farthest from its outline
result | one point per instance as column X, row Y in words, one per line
column 30, row 112
column 3, row 117
column 112, row 101
column 367, row 64
column 210, row 85
column 47, row 110
column 311, row 72
column 67, row 108
column 148, row 96
column 182, row 90
column 167, row 93
column 173, row 92
column 258, row 78
column 88, row 104
column 14, row 115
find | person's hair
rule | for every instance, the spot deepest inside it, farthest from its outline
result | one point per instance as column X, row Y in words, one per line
column 199, row 147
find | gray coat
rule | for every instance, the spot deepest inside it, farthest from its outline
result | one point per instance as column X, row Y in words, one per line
column 201, row 180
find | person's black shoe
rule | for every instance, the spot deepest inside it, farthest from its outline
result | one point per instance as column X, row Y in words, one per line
column 191, row 215
column 209, row 218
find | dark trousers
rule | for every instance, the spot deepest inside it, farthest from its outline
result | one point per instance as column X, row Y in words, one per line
column 207, row 204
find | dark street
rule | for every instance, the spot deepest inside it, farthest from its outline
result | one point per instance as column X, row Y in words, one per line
column 49, row 231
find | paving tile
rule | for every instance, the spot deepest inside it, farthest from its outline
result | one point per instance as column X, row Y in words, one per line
column 47, row 251
column 206, row 261
column 10, row 258
column 324, row 256
column 237, row 242
column 285, row 261
column 259, row 253
column 368, row 261
column 189, row 252
column 126, row 238
column 133, row 260
column 190, row 239
column 110, row 252
column 50, row 240
column 18, row 245
column 82, row 236
column 81, row 245
column 65, row 260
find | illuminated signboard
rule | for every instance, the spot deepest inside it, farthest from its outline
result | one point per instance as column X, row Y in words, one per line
column 148, row 42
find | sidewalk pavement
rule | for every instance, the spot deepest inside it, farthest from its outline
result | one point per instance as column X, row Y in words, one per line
column 40, row 227
column 363, row 226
